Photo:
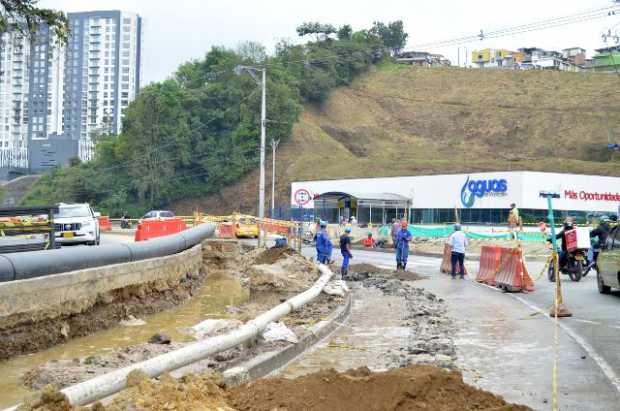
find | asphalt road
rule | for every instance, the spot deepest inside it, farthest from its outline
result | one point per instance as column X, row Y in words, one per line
column 506, row 342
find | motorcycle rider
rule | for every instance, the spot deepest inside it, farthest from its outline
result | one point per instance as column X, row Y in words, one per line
column 568, row 226
column 601, row 232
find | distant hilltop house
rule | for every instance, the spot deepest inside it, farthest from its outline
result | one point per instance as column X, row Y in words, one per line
column 422, row 59
column 607, row 59
column 531, row 58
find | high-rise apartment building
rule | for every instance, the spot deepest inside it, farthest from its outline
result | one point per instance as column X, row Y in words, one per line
column 102, row 74
column 14, row 87
column 51, row 94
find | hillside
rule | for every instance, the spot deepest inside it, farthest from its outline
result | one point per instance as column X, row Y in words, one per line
column 399, row 120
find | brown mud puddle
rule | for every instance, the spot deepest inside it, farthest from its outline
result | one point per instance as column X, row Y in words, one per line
column 210, row 301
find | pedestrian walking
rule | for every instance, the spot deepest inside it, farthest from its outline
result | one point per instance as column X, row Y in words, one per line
column 402, row 246
column 514, row 220
column 457, row 243
column 323, row 244
column 345, row 250
column 394, row 231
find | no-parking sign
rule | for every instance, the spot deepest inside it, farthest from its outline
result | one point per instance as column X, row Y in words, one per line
column 302, row 197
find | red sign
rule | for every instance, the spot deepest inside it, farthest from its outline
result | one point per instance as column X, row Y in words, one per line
column 302, row 197
column 584, row 195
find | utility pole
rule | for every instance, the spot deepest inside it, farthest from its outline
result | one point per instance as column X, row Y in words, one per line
column 274, row 147
column 263, row 124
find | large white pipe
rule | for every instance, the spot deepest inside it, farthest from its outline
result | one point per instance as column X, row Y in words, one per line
column 107, row 384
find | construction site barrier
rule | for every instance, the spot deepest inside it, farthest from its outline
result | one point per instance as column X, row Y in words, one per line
column 104, row 223
column 148, row 229
column 490, row 258
column 512, row 274
column 225, row 230
column 446, row 261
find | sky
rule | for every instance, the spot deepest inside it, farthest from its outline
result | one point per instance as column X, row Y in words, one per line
column 182, row 30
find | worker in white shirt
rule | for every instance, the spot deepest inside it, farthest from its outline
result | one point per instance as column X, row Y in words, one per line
column 457, row 243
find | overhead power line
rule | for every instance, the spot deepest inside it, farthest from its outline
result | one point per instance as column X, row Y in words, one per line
column 524, row 28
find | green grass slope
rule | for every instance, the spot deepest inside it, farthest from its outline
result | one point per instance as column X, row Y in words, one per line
column 399, row 120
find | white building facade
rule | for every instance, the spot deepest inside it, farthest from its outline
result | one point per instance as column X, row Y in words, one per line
column 102, row 74
column 52, row 94
column 478, row 197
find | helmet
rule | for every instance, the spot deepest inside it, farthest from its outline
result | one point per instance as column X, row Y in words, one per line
column 404, row 224
column 323, row 223
column 604, row 219
column 347, row 230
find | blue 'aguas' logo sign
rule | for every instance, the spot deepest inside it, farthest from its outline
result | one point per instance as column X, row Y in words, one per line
column 473, row 189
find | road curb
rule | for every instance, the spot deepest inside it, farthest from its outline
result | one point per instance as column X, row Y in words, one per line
column 266, row 363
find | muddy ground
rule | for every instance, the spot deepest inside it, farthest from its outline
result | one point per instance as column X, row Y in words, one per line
column 279, row 284
column 118, row 305
column 62, row 373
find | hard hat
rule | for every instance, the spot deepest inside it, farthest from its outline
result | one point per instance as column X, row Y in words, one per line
column 604, row 219
column 347, row 230
column 323, row 223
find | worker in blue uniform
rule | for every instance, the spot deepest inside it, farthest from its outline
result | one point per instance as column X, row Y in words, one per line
column 323, row 244
column 402, row 246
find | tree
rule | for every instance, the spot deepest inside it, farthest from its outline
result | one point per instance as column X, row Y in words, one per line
column 317, row 29
column 25, row 17
column 345, row 32
column 393, row 35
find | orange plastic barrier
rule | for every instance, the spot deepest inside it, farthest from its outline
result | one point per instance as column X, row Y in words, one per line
column 512, row 275
column 225, row 230
column 148, row 229
column 274, row 228
column 446, row 262
column 104, row 223
column 489, row 264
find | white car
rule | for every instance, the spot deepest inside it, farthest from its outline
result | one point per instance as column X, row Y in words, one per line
column 76, row 224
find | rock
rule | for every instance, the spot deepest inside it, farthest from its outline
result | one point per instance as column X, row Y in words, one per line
column 132, row 321
column 277, row 331
column 160, row 338
column 209, row 328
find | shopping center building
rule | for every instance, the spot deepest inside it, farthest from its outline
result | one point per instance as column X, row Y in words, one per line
column 476, row 197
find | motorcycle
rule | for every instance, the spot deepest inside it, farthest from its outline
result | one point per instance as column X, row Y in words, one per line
column 575, row 266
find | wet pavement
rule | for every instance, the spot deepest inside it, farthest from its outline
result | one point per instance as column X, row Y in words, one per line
column 505, row 346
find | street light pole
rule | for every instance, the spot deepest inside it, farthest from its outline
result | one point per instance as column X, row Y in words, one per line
column 263, row 137
column 274, row 147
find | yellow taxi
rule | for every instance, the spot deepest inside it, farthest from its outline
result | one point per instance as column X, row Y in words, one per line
column 245, row 227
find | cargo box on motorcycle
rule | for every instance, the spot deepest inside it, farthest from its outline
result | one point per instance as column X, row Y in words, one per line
column 578, row 239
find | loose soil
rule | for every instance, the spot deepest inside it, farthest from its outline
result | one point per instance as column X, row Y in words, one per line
column 415, row 387
column 412, row 388
column 359, row 272
column 271, row 255
column 118, row 305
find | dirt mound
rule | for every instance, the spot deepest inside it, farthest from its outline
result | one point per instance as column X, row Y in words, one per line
column 190, row 393
column 291, row 273
column 360, row 272
column 411, row 388
column 271, row 255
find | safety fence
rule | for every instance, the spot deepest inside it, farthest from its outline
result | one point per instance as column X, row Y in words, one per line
column 148, row 229
column 445, row 231
column 247, row 226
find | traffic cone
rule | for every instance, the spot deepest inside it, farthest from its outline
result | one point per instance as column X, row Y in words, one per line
column 558, row 310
